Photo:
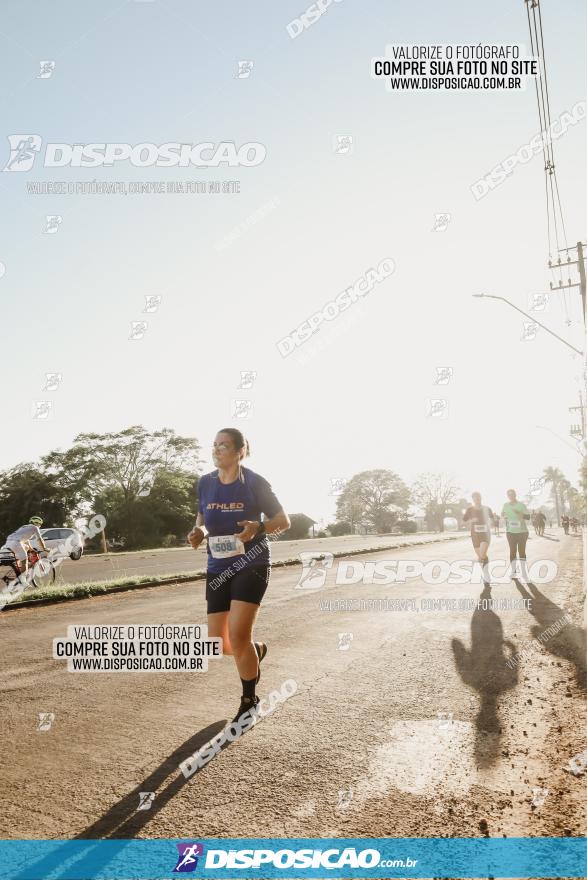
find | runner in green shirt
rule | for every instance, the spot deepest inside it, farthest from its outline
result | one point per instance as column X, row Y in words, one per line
column 516, row 515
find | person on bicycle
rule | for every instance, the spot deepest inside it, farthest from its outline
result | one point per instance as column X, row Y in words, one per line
column 19, row 541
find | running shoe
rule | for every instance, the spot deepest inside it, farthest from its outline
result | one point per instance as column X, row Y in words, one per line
column 261, row 649
column 245, row 706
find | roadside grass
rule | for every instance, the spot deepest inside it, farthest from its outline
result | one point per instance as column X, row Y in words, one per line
column 85, row 590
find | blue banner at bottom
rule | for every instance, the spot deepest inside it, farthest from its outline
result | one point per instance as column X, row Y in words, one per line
column 293, row 857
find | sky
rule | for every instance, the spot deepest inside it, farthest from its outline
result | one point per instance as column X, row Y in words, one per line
column 236, row 272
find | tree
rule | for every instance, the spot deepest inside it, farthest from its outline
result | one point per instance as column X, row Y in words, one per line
column 555, row 477
column 575, row 501
column 26, row 491
column 114, row 473
column 169, row 509
column 339, row 528
column 435, row 492
column 373, row 497
column 300, row 525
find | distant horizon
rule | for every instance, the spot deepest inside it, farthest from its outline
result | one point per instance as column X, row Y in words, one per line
column 206, row 465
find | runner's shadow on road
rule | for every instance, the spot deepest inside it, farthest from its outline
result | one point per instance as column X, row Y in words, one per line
column 484, row 668
column 570, row 643
column 123, row 821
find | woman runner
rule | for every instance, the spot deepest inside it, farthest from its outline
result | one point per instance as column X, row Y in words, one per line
column 231, row 502
column 516, row 513
column 480, row 516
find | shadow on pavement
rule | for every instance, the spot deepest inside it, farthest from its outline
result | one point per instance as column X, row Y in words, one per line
column 485, row 669
column 123, row 821
column 568, row 644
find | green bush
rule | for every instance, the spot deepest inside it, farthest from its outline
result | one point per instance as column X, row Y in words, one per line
column 407, row 526
column 339, row 528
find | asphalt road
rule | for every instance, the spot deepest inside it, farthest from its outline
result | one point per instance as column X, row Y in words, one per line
column 183, row 559
column 359, row 750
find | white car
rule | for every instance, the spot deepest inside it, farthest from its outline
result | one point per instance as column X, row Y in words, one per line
column 67, row 542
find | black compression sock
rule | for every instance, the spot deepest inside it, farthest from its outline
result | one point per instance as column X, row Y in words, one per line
column 249, row 688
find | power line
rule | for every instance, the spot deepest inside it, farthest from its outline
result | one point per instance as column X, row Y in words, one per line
column 554, row 209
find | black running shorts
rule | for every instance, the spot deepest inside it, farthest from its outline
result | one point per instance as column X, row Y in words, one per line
column 479, row 537
column 247, row 585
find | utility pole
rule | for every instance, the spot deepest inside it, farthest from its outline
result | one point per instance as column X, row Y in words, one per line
column 582, row 285
column 583, row 282
column 578, row 431
column 580, row 263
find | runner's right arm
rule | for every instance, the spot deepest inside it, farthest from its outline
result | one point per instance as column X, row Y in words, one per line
column 199, row 532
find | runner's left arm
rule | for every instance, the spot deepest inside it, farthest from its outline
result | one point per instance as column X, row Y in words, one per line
column 275, row 518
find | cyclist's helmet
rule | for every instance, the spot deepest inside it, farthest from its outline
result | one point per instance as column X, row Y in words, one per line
column 36, row 521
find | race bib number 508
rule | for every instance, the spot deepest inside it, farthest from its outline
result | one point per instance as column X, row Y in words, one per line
column 224, row 546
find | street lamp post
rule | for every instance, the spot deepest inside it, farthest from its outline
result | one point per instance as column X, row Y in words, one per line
column 531, row 318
